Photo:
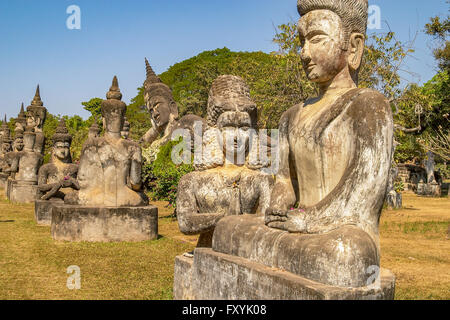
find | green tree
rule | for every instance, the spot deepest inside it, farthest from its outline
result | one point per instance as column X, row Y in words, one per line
column 94, row 106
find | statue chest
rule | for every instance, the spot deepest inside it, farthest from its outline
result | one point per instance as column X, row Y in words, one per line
column 229, row 194
column 319, row 152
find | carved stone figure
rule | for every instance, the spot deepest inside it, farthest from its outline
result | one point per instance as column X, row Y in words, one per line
column 36, row 115
column 21, row 120
column 24, row 167
column 125, row 133
column 224, row 186
column 5, row 150
column 57, row 178
column 321, row 228
column 110, row 205
column 164, row 113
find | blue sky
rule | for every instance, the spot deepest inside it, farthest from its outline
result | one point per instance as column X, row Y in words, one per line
column 72, row 66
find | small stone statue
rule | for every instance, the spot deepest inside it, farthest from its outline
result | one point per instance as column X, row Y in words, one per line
column 225, row 186
column 21, row 121
column 125, row 133
column 164, row 113
column 59, row 176
column 5, row 149
column 107, row 163
column 36, row 115
column 25, row 166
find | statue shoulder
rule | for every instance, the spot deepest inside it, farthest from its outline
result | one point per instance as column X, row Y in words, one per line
column 47, row 168
column 365, row 102
column 289, row 114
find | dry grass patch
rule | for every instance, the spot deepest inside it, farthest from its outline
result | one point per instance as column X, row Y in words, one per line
column 414, row 246
column 33, row 266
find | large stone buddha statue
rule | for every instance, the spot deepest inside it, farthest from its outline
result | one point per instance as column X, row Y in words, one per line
column 108, row 162
column 319, row 239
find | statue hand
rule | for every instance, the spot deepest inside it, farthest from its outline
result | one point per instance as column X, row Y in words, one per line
column 293, row 221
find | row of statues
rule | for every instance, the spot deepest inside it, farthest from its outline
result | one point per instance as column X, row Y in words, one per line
column 316, row 218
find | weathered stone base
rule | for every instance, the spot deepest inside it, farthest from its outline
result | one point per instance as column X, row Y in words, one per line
column 21, row 193
column 77, row 223
column 429, row 190
column 215, row 276
column 43, row 211
column 3, row 182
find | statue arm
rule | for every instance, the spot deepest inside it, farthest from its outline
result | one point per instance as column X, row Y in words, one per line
column 359, row 196
column 190, row 221
column 151, row 135
column 136, row 170
column 283, row 195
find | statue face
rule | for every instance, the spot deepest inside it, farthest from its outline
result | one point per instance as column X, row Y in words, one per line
column 5, row 148
column 159, row 108
column 61, row 150
column 113, row 121
column 18, row 144
column 235, row 127
column 321, row 33
column 33, row 121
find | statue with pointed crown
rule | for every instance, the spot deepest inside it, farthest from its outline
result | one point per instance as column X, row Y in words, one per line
column 164, row 115
column 111, row 204
column 319, row 238
column 36, row 115
column 21, row 120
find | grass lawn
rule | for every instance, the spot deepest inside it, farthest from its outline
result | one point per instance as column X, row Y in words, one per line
column 33, row 266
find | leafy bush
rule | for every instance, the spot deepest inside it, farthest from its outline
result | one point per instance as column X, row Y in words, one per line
column 161, row 177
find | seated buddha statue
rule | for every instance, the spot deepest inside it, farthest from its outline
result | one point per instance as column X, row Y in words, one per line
column 224, row 184
column 335, row 156
column 58, row 177
column 109, row 172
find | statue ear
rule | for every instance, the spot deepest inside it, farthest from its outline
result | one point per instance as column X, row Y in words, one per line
column 356, row 50
column 104, row 122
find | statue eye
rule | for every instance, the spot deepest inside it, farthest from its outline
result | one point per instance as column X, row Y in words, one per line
column 317, row 39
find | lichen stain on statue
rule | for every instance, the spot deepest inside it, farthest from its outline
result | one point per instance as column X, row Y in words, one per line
column 321, row 226
column 164, row 116
column 108, row 163
column 222, row 185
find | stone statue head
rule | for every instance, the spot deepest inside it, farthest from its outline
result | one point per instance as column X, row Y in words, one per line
column 61, row 142
column 232, row 117
column 113, row 109
column 36, row 112
column 29, row 138
column 18, row 140
column 159, row 99
column 332, row 34
column 6, row 140
column 231, row 110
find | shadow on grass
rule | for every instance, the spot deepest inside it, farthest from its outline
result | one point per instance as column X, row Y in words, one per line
column 7, row 221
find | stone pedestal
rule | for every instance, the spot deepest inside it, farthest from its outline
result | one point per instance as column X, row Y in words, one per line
column 394, row 200
column 3, row 183
column 212, row 275
column 109, row 224
column 43, row 211
column 21, row 192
